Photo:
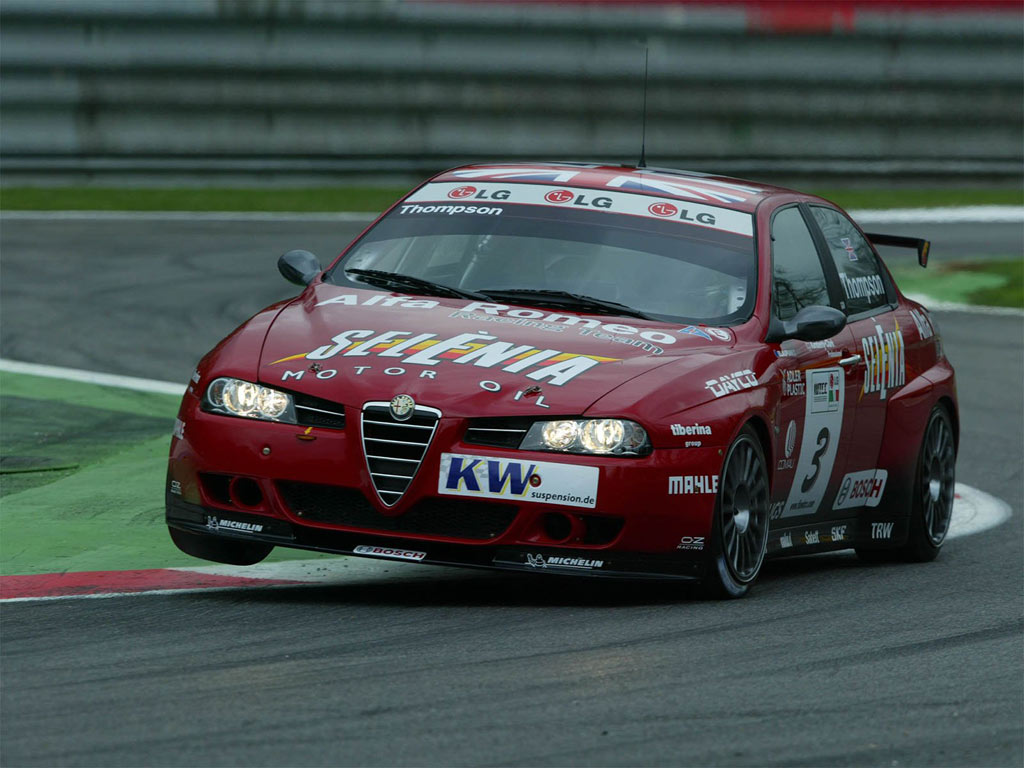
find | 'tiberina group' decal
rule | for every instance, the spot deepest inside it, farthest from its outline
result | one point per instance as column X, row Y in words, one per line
column 427, row 349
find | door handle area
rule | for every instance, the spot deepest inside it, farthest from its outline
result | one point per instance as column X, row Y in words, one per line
column 851, row 360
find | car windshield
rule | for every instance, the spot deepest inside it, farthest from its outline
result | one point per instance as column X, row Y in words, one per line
column 621, row 254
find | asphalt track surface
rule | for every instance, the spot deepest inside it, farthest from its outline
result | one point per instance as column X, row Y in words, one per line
column 828, row 662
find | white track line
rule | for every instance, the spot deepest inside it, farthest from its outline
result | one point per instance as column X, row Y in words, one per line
column 104, row 595
column 974, row 511
column 984, row 214
column 970, row 214
column 89, row 377
column 952, row 306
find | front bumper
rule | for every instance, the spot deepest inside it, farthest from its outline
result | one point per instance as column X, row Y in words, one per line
column 311, row 489
column 538, row 559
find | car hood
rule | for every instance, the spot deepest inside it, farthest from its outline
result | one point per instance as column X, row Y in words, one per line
column 467, row 358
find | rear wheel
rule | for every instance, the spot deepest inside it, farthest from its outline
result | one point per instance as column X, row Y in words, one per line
column 933, row 490
column 740, row 531
column 218, row 549
column 932, row 502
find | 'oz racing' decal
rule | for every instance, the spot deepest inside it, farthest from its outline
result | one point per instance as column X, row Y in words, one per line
column 823, row 423
column 489, row 477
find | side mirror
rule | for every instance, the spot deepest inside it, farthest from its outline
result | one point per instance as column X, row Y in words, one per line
column 812, row 323
column 299, row 267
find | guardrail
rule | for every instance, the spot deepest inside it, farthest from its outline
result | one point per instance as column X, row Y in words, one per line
column 258, row 87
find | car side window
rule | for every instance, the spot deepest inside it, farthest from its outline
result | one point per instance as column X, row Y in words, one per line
column 798, row 279
column 857, row 265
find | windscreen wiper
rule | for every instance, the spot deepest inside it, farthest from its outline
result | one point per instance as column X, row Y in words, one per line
column 386, row 279
column 564, row 299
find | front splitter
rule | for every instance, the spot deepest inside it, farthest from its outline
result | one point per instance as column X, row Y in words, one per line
column 602, row 563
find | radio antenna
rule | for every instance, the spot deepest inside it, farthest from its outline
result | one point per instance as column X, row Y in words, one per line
column 643, row 132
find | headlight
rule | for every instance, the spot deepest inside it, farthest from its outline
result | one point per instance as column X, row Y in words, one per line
column 235, row 397
column 617, row 437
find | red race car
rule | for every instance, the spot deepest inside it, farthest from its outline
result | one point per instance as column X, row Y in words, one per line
column 578, row 369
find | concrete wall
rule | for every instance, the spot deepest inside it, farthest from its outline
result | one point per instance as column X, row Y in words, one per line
column 294, row 86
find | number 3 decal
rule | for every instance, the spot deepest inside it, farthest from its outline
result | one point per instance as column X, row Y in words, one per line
column 812, row 478
column 823, row 424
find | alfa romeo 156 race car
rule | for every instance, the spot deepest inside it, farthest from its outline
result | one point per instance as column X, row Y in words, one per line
column 578, row 369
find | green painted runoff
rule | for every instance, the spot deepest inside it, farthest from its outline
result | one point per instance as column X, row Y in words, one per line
column 106, row 511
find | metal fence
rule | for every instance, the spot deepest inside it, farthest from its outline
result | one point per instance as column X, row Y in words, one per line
column 306, row 87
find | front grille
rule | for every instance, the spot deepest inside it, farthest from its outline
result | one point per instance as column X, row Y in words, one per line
column 454, row 518
column 316, row 412
column 395, row 449
column 500, row 432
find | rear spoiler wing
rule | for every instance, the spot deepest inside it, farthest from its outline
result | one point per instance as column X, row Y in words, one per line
column 921, row 246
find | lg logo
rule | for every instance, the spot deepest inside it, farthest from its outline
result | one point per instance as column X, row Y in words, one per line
column 559, row 196
column 663, row 209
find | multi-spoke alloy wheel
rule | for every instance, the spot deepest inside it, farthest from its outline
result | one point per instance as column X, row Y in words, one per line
column 933, row 490
column 937, row 475
column 932, row 495
column 741, row 519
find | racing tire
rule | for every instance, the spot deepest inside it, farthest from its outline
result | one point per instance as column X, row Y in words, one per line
column 218, row 549
column 934, row 490
column 739, row 534
column 932, row 500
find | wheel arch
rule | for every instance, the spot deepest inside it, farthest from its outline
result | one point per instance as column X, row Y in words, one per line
column 945, row 401
column 906, row 418
column 759, row 424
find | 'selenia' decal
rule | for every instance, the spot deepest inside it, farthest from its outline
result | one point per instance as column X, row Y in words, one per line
column 885, row 360
column 478, row 349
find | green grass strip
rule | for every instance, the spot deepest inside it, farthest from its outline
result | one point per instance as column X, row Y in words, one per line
column 870, row 199
column 306, row 200
column 374, row 199
column 89, row 395
column 993, row 283
column 1009, row 294
column 107, row 515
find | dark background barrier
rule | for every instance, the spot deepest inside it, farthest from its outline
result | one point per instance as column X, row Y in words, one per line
column 300, row 89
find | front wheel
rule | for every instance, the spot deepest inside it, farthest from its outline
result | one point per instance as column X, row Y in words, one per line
column 739, row 535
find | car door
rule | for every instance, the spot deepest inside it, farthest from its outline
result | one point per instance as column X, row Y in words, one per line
column 877, row 367
column 814, row 413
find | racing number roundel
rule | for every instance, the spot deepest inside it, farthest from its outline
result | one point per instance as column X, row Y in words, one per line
column 558, row 196
column 461, row 192
column 663, row 209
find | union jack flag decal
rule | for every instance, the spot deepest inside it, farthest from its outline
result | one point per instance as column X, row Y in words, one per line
column 525, row 174
column 695, row 189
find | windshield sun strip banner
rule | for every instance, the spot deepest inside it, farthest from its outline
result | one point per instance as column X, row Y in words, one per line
column 455, row 198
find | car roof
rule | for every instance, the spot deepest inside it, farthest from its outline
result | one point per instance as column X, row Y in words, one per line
column 708, row 189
